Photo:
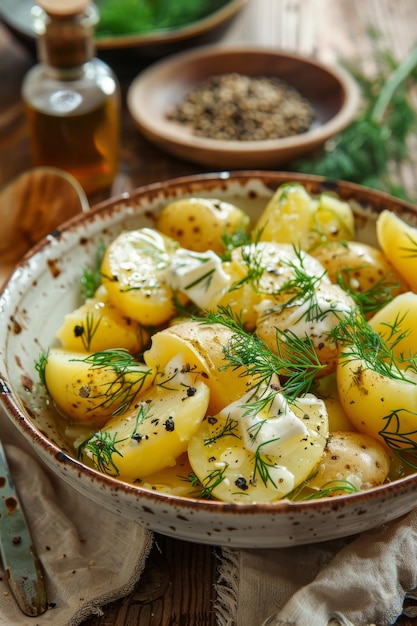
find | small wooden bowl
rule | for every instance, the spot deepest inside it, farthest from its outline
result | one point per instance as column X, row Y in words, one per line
column 33, row 205
column 331, row 91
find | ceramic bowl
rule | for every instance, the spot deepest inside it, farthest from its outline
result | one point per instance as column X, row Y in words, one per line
column 45, row 286
column 331, row 92
column 16, row 14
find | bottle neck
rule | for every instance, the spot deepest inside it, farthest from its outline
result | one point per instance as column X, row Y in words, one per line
column 66, row 42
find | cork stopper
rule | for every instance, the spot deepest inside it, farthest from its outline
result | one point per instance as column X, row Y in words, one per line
column 62, row 8
column 66, row 35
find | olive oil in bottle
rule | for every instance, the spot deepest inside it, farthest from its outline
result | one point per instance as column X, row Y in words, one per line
column 71, row 97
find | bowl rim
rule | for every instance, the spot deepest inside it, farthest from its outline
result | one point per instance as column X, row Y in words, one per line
column 168, row 35
column 138, row 40
column 171, row 132
column 12, row 409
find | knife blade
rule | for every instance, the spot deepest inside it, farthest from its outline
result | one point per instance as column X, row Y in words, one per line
column 20, row 560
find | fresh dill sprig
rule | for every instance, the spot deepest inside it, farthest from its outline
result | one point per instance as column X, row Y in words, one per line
column 86, row 330
column 257, row 360
column 91, row 277
column 329, row 488
column 357, row 340
column 102, row 445
column 213, row 480
column 100, row 448
column 236, row 239
column 40, row 366
column 301, row 289
column 403, row 444
column 371, row 150
column 229, row 429
column 129, row 378
column 262, row 466
column 372, row 299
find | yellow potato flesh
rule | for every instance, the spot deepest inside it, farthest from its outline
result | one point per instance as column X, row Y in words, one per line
column 293, row 216
column 90, row 395
column 134, row 271
column 174, row 480
column 378, row 405
column 399, row 242
column 326, row 388
column 201, row 347
column 233, row 472
column 401, row 312
column 241, row 299
column 153, row 435
column 98, row 325
column 200, row 224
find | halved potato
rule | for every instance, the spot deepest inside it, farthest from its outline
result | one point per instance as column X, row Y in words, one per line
column 201, row 346
column 246, row 455
column 90, row 388
column 98, row 325
column 154, row 434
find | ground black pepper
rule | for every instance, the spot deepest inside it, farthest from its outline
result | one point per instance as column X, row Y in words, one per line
column 244, row 108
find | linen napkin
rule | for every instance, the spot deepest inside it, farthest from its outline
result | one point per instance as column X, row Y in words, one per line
column 359, row 581
column 89, row 555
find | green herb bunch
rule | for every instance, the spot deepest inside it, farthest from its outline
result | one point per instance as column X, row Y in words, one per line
column 371, row 150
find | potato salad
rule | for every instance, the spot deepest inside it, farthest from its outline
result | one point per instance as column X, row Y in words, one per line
column 215, row 358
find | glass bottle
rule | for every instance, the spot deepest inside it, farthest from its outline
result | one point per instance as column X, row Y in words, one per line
column 71, row 97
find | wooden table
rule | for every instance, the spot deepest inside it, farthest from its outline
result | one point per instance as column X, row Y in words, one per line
column 167, row 593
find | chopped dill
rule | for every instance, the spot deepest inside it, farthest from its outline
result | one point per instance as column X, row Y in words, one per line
column 100, row 448
column 401, row 443
column 91, row 277
column 128, row 381
column 229, row 429
column 372, row 299
column 248, row 351
column 40, row 366
column 359, row 341
column 262, row 466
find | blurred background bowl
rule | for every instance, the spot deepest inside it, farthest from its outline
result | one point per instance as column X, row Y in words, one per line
column 331, row 92
column 46, row 285
column 215, row 18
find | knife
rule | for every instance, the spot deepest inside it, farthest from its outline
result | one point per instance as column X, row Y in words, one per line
column 20, row 561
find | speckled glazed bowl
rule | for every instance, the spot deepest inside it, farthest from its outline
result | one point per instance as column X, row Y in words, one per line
column 45, row 286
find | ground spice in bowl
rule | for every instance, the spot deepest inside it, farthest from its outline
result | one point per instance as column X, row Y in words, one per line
column 236, row 107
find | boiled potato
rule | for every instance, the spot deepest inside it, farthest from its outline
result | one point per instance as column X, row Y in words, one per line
column 379, row 405
column 98, row 325
column 240, row 298
column 312, row 314
column 325, row 387
column 361, row 268
column 294, row 216
column 200, row 224
column 399, row 314
column 154, row 434
column 176, row 480
column 134, row 271
column 90, row 388
column 399, row 242
column 201, row 348
column 353, row 458
column 263, row 268
column 247, row 455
